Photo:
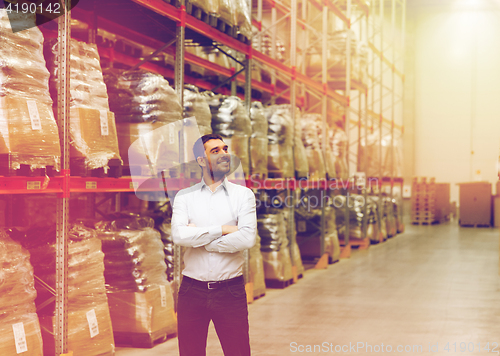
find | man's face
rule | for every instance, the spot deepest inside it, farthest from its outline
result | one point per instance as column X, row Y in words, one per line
column 219, row 161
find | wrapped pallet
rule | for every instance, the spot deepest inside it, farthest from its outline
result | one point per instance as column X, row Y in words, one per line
column 89, row 323
column 338, row 141
column 243, row 17
column 282, row 142
column 356, row 214
column 195, row 105
column 256, row 268
column 373, row 226
column 227, row 9
column 209, row 6
column 274, row 247
column 148, row 121
column 369, row 157
column 310, row 247
column 93, row 138
column 19, row 325
column 293, row 245
column 258, row 140
column 310, row 139
column 140, row 297
column 392, row 154
column 230, row 120
column 28, row 130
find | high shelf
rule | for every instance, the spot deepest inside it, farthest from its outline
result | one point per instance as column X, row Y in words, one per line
column 371, row 107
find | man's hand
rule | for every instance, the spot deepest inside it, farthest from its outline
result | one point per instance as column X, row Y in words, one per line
column 228, row 229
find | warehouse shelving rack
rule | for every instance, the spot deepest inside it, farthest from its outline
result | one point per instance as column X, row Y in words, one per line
column 340, row 92
column 386, row 76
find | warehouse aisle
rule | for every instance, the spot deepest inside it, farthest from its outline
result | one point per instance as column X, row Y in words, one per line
column 432, row 285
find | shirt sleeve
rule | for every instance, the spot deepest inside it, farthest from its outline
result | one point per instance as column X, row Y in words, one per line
column 190, row 236
column 244, row 238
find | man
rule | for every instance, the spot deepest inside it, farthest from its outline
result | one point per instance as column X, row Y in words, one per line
column 216, row 220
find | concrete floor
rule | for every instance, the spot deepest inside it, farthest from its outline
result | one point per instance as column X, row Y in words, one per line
column 435, row 286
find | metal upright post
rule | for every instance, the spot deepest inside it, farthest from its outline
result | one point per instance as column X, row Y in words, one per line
column 248, row 105
column 293, row 105
column 179, row 88
column 365, row 155
column 61, row 320
column 274, row 17
column 324, row 113
column 393, row 96
column 403, row 36
column 381, row 122
column 347, row 116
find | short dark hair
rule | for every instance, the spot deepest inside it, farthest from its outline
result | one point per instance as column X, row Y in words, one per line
column 199, row 145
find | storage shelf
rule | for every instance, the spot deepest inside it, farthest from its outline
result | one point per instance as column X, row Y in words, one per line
column 35, row 185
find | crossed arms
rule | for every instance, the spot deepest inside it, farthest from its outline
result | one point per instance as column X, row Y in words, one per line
column 217, row 238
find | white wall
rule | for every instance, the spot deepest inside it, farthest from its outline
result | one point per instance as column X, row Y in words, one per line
column 456, row 90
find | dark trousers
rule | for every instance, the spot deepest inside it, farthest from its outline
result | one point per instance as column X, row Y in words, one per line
column 226, row 306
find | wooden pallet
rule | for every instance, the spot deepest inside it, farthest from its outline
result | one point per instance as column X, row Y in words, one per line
column 276, row 174
column 425, row 222
column 274, row 283
column 79, row 168
column 141, row 340
column 474, row 225
column 363, row 244
column 258, row 176
column 255, row 297
column 6, row 170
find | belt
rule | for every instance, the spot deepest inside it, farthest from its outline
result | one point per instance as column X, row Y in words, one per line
column 214, row 284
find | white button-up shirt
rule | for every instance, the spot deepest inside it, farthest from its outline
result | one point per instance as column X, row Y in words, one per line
column 211, row 256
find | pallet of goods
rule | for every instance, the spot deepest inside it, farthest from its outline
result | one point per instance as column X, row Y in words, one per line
column 19, row 326
column 93, row 138
column 29, row 142
column 140, row 297
column 89, row 325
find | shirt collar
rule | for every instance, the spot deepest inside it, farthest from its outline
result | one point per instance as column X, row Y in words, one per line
column 223, row 184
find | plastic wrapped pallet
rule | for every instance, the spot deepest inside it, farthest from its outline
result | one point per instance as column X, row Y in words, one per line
column 258, row 140
column 28, row 130
column 227, row 10
column 390, row 217
column 372, row 228
column 17, row 301
column 243, row 17
column 281, row 142
column 256, row 267
column 356, row 209
column 274, row 247
column 370, row 154
column 89, row 328
column 22, row 70
column 209, row 6
column 338, row 141
column 140, row 297
column 230, row 120
column 310, row 139
column 293, row 245
column 139, row 96
column 388, row 153
column 150, row 148
column 87, row 88
column 93, row 139
column 332, row 234
column 195, row 105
